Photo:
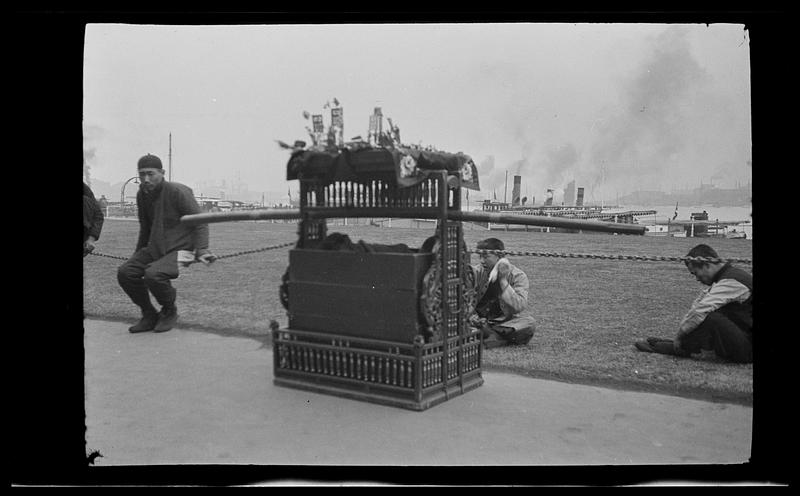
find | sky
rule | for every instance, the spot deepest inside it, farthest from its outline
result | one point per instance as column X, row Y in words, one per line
column 615, row 107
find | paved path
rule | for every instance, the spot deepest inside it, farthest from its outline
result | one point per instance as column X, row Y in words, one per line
column 192, row 397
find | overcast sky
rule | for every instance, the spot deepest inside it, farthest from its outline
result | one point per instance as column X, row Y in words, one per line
column 616, row 107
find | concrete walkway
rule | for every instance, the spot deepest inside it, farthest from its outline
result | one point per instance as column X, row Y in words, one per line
column 192, row 397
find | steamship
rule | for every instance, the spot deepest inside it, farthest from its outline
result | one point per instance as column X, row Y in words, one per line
column 572, row 207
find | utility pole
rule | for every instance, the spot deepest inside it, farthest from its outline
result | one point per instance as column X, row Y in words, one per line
column 170, row 157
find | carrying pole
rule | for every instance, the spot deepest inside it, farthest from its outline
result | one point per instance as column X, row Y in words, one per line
column 419, row 213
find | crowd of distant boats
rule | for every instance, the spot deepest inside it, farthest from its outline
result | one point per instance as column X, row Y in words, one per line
column 699, row 224
column 729, row 222
column 734, row 221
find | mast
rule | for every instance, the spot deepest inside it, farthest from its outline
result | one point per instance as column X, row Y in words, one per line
column 170, row 157
column 505, row 193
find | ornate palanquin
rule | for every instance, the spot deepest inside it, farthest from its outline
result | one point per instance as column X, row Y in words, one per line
column 387, row 327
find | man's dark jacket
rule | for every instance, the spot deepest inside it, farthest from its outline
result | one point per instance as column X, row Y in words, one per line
column 160, row 212
column 740, row 313
column 93, row 216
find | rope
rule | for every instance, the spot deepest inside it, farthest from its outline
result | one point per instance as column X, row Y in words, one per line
column 259, row 250
column 98, row 254
column 595, row 256
column 219, row 257
column 643, row 258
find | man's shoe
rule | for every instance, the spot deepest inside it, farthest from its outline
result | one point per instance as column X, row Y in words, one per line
column 145, row 324
column 667, row 347
column 494, row 341
column 656, row 341
column 663, row 346
column 167, row 318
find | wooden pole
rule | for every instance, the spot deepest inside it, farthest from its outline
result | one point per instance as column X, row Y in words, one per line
column 418, row 213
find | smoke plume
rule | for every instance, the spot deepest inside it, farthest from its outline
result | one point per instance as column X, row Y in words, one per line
column 670, row 124
column 653, row 133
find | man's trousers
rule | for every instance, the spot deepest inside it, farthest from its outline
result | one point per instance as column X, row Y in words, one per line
column 142, row 273
column 717, row 332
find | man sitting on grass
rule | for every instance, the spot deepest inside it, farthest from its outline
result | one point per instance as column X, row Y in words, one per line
column 720, row 319
column 502, row 299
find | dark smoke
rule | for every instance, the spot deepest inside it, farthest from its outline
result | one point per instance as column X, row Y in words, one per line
column 492, row 176
column 549, row 171
column 670, row 124
column 558, row 161
column 652, row 125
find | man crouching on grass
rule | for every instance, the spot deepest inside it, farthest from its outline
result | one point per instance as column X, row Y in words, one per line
column 720, row 318
column 501, row 292
column 162, row 238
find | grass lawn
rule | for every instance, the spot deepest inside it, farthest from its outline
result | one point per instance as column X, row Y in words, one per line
column 588, row 311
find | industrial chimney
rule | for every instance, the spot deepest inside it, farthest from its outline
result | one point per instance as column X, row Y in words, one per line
column 515, row 194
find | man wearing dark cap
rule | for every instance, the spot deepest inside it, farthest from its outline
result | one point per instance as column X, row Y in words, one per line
column 160, row 204
column 720, row 318
column 501, row 298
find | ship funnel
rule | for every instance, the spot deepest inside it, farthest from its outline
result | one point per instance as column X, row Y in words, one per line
column 579, row 200
column 548, row 201
column 515, row 193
